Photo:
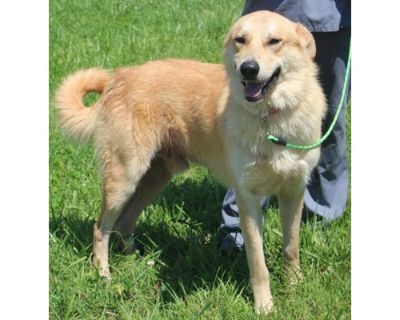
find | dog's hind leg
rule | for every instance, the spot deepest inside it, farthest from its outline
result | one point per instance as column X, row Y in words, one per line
column 120, row 181
column 155, row 179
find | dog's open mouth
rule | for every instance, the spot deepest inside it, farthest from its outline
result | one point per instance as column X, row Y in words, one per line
column 255, row 90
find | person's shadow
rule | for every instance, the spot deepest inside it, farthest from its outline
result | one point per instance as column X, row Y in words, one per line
column 189, row 244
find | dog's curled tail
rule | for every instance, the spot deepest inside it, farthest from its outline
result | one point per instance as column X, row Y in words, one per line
column 76, row 120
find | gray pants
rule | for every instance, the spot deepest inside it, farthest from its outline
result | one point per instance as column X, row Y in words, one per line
column 326, row 194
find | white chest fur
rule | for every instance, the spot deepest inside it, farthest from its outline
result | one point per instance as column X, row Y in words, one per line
column 268, row 174
column 259, row 166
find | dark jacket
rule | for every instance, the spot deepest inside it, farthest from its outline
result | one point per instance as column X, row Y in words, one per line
column 316, row 15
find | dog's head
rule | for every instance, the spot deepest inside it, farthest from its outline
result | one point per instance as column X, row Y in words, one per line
column 263, row 50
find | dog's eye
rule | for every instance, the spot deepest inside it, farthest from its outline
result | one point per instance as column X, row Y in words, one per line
column 273, row 41
column 240, row 40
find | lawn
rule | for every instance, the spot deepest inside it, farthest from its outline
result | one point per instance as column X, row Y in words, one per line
column 177, row 271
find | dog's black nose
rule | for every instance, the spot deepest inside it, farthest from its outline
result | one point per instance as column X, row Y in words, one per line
column 249, row 69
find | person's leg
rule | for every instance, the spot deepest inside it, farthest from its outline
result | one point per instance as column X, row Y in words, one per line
column 230, row 224
column 326, row 194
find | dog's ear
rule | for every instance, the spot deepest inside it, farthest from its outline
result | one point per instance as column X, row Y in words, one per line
column 307, row 40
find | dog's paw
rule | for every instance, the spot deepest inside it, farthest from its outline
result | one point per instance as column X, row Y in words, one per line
column 265, row 309
column 126, row 244
column 294, row 275
column 104, row 272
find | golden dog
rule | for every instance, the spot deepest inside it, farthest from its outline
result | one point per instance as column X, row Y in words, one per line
column 151, row 120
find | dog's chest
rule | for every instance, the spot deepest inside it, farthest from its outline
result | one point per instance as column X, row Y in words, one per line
column 267, row 173
column 260, row 166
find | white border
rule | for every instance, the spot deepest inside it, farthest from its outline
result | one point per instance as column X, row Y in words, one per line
column 24, row 159
column 375, row 161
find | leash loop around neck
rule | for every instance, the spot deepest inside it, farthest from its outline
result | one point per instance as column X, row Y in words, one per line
column 282, row 142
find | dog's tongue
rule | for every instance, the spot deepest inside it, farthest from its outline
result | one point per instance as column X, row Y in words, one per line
column 253, row 90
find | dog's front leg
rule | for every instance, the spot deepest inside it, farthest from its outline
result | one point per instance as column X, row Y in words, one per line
column 290, row 207
column 251, row 223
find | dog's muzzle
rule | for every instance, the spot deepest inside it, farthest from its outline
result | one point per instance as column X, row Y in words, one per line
column 257, row 90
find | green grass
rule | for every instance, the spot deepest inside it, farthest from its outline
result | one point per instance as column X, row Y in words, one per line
column 178, row 273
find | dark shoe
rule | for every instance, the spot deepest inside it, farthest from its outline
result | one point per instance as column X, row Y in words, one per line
column 308, row 216
column 231, row 242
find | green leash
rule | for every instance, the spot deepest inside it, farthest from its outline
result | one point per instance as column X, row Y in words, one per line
column 316, row 144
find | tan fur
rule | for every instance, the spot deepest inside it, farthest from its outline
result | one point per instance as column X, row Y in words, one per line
column 76, row 120
column 154, row 118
